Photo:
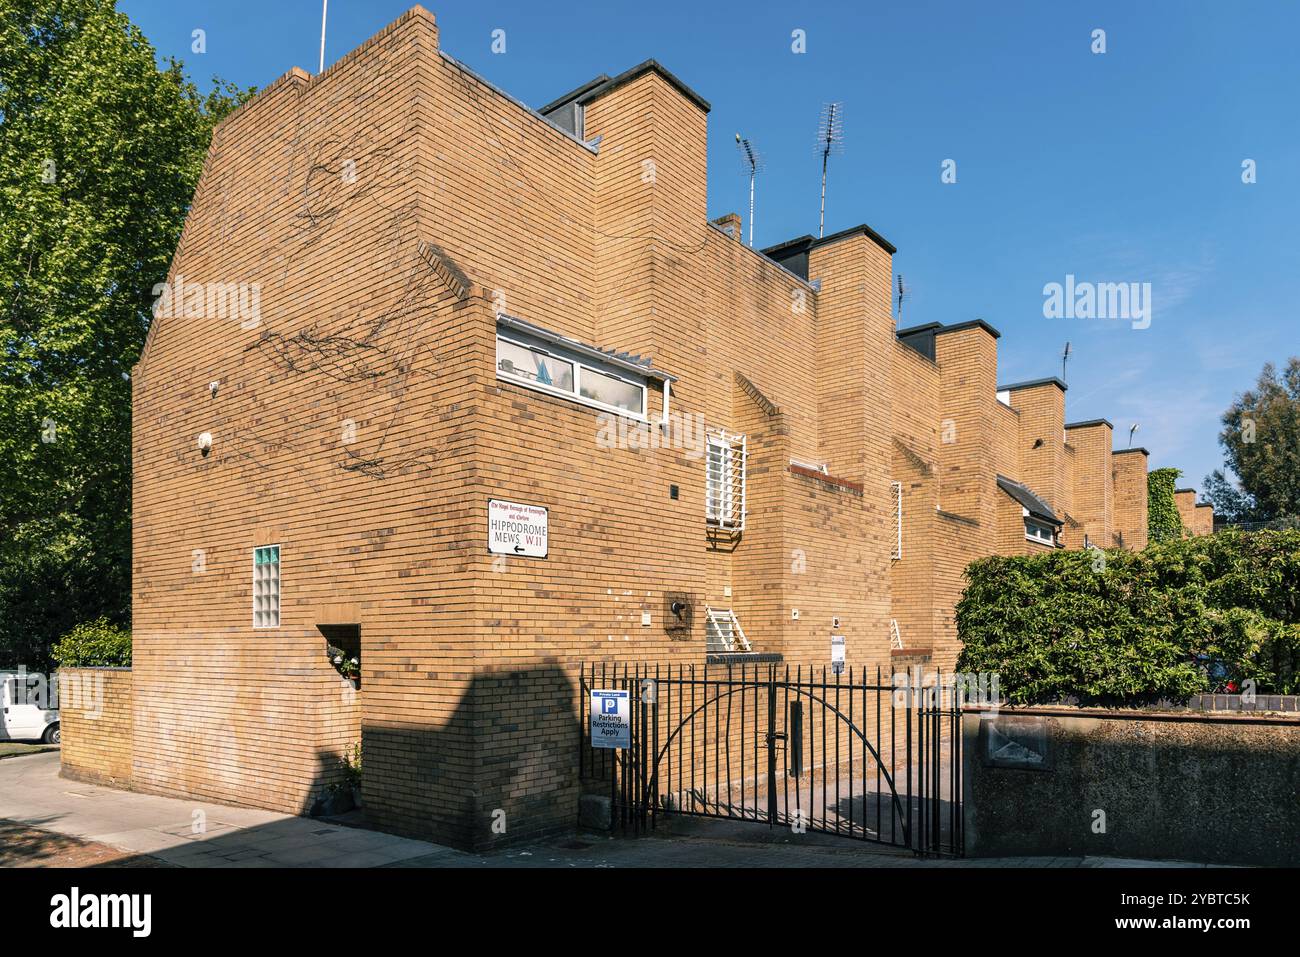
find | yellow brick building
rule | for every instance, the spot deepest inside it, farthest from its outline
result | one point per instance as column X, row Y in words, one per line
column 449, row 305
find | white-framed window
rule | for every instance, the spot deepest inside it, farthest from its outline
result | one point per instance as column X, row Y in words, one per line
column 266, row 586
column 1040, row 532
column 897, row 489
column 552, row 369
column 724, row 481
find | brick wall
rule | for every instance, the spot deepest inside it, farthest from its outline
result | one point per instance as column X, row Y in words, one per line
column 1129, row 467
column 1094, row 497
column 1185, row 499
column 95, row 723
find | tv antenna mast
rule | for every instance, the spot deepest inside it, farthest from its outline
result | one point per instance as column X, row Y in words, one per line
column 324, row 9
column 1065, row 357
column 830, row 139
column 904, row 293
column 753, row 163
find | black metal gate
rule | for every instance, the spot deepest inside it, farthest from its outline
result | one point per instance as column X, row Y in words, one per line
column 833, row 753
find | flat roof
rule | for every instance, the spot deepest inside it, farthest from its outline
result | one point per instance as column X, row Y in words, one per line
column 602, row 84
column 1086, row 423
column 1031, row 383
column 970, row 324
column 1136, row 448
column 812, row 242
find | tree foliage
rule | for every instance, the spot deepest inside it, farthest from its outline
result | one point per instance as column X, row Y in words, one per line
column 1182, row 616
column 1163, row 520
column 1261, row 449
column 98, row 643
column 100, row 150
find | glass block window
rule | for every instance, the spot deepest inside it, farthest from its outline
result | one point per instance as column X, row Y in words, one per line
column 266, row 587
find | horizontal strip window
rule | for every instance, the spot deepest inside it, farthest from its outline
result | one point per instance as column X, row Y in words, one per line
column 555, row 371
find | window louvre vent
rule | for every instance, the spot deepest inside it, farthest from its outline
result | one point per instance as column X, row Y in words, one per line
column 897, row 488
column 723, row 632
column 724, row 498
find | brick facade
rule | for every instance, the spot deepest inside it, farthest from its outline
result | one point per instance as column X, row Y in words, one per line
column 97, row 726
column 397, row 212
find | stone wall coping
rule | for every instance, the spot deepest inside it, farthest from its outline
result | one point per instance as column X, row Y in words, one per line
column 1138, row 714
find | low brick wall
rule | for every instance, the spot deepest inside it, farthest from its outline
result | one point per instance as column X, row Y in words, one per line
column 95, row 717
column 1218, row 788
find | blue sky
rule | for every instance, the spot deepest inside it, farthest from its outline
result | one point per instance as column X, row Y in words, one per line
column 1117, row 167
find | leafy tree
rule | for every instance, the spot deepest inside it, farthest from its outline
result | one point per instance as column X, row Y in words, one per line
column 1163, row 520
column 1261, row 447
column 100, row 150
column 94, row 643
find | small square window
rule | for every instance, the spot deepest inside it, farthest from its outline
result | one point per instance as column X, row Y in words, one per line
column 266, row 587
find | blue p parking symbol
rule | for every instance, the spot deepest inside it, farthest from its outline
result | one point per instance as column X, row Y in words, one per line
column 609, row 706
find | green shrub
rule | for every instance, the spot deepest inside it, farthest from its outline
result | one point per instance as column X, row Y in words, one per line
column 1182, row 616
column 94, row 643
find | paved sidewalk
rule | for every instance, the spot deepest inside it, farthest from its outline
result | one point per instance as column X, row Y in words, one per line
column 33, row 794
column 65, row 823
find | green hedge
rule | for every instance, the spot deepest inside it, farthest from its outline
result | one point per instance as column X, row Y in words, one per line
column 1182, row 616
column 94, row 643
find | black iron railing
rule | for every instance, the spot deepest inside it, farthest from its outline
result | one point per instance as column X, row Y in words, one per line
column 862, row 756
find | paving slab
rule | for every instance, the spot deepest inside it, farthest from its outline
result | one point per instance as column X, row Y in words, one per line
column 33, row 794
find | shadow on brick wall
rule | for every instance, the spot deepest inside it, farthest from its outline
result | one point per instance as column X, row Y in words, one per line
column 502, row 770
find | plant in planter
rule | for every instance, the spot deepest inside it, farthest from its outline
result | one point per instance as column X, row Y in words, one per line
column 345, row 794
column 346, row 664
column 350, row 764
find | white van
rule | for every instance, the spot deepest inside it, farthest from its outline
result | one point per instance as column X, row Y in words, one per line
column 21, row 720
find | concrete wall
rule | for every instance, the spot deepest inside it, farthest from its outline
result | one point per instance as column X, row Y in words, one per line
column 1178, row 786
column 95, row 720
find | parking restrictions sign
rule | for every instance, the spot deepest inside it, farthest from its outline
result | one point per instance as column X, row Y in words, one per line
column 611, row 719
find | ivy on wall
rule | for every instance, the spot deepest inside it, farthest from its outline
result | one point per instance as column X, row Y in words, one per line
column 1163, row 520
column 1186, row 615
